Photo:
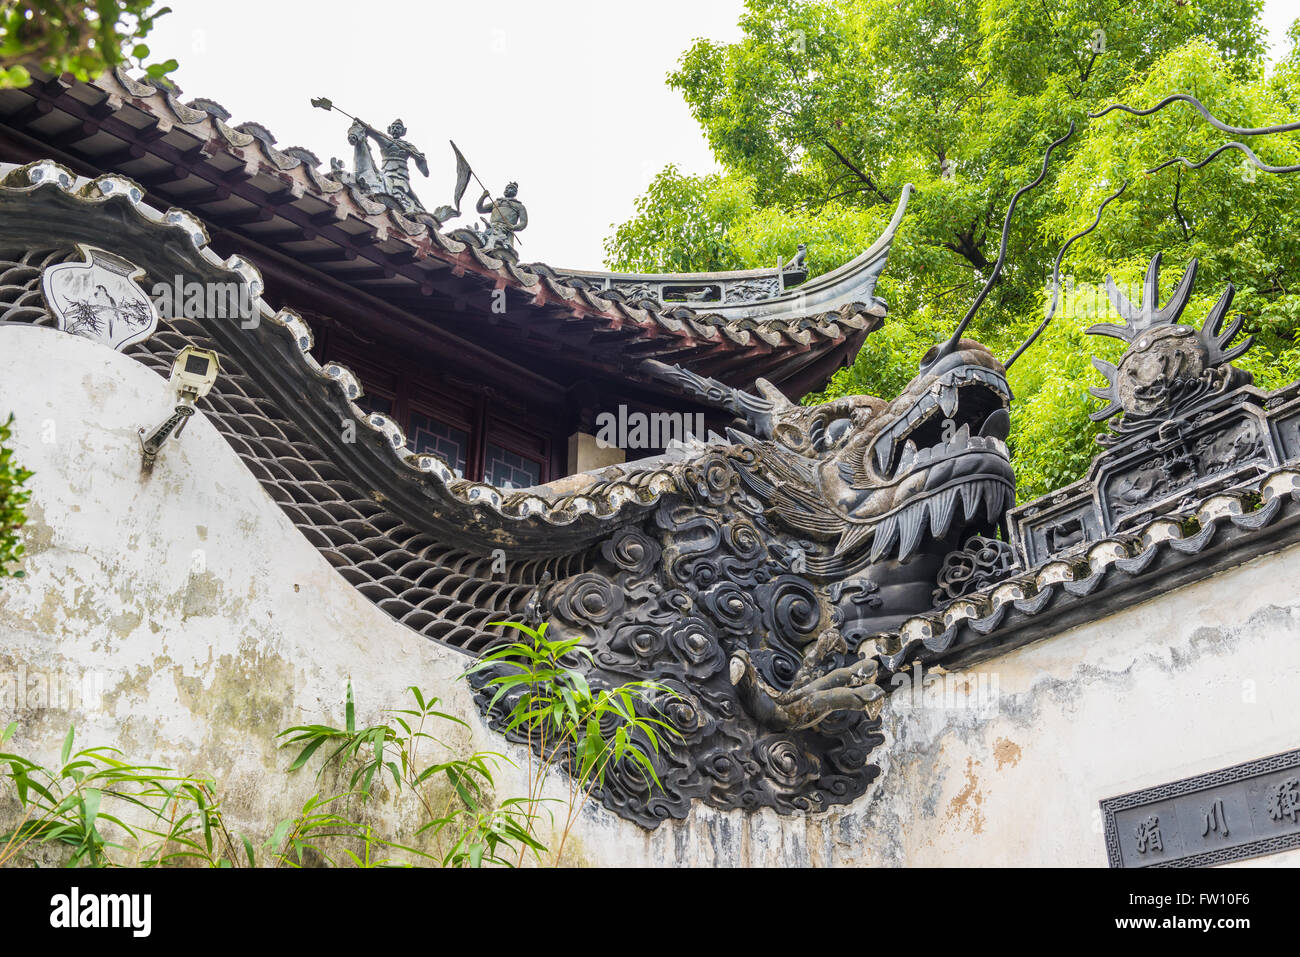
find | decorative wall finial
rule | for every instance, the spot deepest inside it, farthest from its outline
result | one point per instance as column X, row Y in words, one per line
column 1167, row 366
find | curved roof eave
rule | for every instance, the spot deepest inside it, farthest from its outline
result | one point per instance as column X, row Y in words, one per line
column 853, row 282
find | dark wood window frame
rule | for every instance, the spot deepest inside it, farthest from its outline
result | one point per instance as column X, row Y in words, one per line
column 473, row 413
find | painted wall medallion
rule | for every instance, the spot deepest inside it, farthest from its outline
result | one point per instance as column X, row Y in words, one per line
column 100, row 298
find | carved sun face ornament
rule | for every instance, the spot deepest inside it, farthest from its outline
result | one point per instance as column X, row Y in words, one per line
column 1167, row 366
column 1154, row 364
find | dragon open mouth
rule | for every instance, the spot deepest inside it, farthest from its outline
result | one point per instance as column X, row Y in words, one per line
column 947, row 462
column 965, row 408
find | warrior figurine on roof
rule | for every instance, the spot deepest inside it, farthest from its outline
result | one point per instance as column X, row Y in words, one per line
column 507, row 217
column 392, row 178
column 395, row 152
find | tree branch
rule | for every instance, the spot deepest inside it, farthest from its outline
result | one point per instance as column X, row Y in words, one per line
column 870, row 183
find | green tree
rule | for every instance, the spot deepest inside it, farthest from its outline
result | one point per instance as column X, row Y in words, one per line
column 682, row 225
column 81, row 37
column 824, row 110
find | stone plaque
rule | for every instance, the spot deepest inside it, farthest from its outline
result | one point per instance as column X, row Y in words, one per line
column 1247, row 810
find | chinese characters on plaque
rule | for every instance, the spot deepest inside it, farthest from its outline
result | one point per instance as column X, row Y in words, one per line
column 1239, row 812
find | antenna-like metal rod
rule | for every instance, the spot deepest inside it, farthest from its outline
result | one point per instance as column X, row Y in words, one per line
column 1056, row 275
column 1200, row 108
column 1226, row 146
column 1002, row 249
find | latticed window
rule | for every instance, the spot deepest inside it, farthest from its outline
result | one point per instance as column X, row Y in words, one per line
column 480, row 435
column 426, row 435
column 506, row 469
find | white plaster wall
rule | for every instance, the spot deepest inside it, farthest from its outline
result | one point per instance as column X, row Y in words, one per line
column 215, row 624
column 211, row 621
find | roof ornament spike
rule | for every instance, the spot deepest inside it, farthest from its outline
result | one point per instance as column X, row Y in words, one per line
column 1138, row 318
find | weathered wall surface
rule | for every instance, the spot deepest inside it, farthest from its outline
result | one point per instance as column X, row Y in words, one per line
column 213, row 625
column 210, row 623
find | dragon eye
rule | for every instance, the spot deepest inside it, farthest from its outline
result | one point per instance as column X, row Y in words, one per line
column 836, row 430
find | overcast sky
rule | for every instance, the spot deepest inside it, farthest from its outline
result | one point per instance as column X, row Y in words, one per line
column 566, row 96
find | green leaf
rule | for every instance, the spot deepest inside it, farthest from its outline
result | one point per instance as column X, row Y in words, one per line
column 278, row 836
column 15, row 77
column 306, row 754
column 90, row 801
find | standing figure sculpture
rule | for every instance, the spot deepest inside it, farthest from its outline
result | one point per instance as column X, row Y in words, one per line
column 507, row 216
column 395, row 152
column 392, row 178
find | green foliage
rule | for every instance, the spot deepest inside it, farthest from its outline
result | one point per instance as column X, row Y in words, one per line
column 101, row 811
column 589, row 733
column 76, row 36
column 13, row 498
column 822, row 111
column 466, row 828
column 681, row 225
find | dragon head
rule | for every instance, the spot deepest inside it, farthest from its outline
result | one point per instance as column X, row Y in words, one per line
column 874, row 481
column 931, row 465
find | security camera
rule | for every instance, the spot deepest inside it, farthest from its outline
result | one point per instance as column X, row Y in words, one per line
column 193, row 373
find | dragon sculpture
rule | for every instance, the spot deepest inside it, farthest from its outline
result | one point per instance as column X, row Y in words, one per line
column 750, row 575
column 754, row 589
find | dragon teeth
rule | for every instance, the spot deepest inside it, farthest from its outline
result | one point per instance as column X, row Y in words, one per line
column 993, row 499
column 970, row 498
column 911, row 523
column 943, row 506
column 948, row 399
column 884, row 446
column 907, row 459
column 886, row 533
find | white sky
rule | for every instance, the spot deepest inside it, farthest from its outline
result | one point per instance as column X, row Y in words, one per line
column 566, row 96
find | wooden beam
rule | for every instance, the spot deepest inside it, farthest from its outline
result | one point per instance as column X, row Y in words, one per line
column 258, row 214
column 337, row 254
column 172, row 174
column 78, row 133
